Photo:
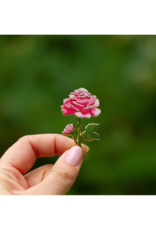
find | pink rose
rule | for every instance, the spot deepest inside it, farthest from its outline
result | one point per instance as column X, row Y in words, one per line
column 81, row 103
column 68, row 129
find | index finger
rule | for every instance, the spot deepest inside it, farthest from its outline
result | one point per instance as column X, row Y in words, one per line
column 22, row 155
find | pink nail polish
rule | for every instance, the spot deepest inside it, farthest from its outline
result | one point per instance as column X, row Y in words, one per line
column 74, row 156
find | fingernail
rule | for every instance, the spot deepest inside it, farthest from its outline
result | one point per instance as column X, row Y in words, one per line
column 74, row 156
column 87, row 148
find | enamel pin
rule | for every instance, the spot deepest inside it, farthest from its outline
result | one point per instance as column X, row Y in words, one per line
column 83, row 105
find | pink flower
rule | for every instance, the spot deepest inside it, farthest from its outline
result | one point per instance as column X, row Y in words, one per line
column 81, row 103
column 68, row 129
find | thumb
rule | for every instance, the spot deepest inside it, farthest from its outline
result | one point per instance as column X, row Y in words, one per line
column 62, row 175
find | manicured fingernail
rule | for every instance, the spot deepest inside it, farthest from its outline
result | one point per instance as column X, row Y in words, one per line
column 87, row 148
column 74, row 156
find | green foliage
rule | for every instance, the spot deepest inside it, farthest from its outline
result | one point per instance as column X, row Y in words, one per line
column 89, row 134
column 95, row 136
column 38, row 72
column 91, row 127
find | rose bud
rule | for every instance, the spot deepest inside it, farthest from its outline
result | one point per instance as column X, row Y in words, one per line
column 68, row 129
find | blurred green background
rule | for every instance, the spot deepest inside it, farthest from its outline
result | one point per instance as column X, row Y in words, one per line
column 38, row 72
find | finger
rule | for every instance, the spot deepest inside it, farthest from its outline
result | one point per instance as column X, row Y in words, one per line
column 22, row 155
column 61, row 176
column 37, row 175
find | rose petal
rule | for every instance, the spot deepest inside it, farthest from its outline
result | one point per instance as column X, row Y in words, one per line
column 73, row 97
column 95, row 112
column 83, row 115
column 77, row 91
column 70, row 105
column 78, row 106
column 89, row 95
column 87, row 109
column 83, row 102
column 65, row 132
column 92, row 100
column 67, row 111
column 69, row 127
column 67, row 100
column 91, row 107
column 83, row 89
column 97, row 103
column 79, row 97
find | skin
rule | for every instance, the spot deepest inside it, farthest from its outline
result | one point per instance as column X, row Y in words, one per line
column 49, row 179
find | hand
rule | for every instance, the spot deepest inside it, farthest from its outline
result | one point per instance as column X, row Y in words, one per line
column 46, row 180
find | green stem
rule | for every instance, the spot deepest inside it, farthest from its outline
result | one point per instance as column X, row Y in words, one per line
column 79, row 131
column 74, row 138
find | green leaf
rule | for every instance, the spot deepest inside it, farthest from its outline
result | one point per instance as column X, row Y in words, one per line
column 87, row 136
column 91, row 127
column 90, row 136
column 95, row 136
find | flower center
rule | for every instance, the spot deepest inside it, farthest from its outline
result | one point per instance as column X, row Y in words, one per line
column 82, row 94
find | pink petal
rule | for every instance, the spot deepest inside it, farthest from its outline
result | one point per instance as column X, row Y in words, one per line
column 83, row 89
column 67, row 111
column 97, row 103
column 65, row 132
column 78, row 106
column 91, row 107
column 83, row 115
column 67, row 100
column 79, row 96
column 68, row 103
column 70, row 106
column 89, row 95
column 73, row 97
column 77, row 91
column 87, row 109
column 69, row 127
column 92, row 100
column 95, row 112
column 83, row 102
